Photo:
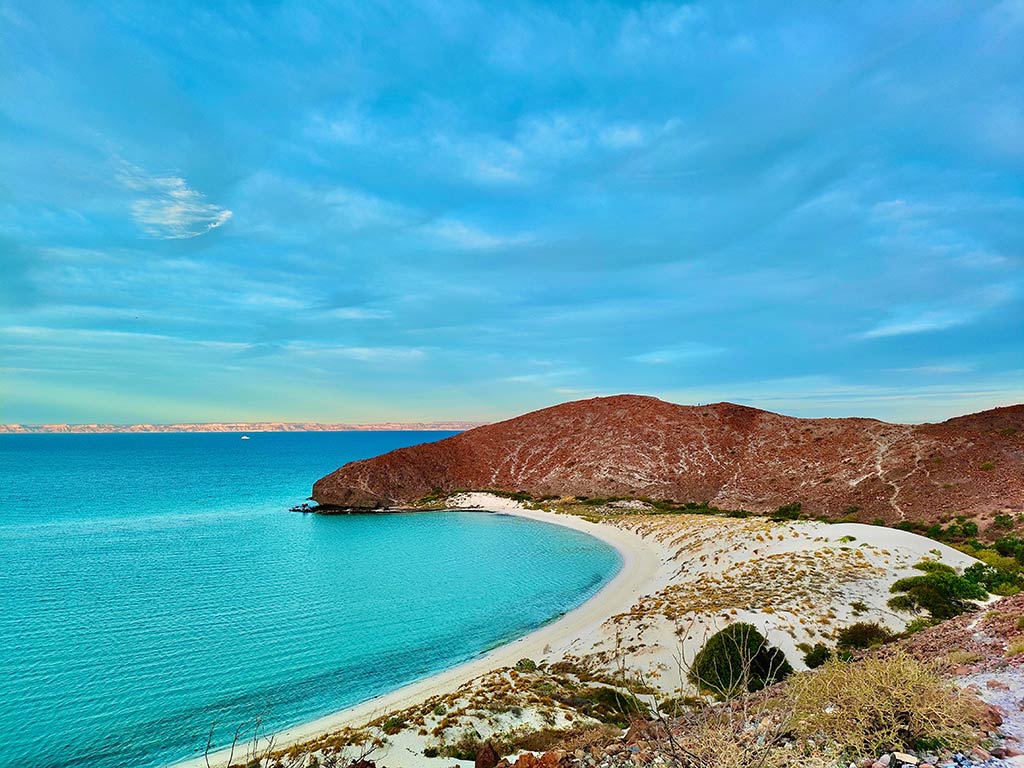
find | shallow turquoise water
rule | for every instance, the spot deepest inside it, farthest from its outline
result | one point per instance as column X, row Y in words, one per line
column 153, row 585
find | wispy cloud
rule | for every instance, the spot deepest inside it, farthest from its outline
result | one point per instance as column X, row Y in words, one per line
column 356, row 313
column 677, row 354
column 938, row 369
column 468, row 237
column 168, row 208
column 923, row 322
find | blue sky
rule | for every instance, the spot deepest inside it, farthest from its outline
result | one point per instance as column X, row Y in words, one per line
column 451, row 209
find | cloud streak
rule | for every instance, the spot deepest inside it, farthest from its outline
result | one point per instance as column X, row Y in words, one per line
column 168, row 208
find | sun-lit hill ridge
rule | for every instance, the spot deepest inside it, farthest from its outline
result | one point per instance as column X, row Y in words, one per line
column 730, row 456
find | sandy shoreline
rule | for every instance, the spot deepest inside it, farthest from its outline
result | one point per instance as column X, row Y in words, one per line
column 641, row 562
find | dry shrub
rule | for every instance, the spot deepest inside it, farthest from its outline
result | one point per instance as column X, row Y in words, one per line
column 718, row 738
column 878, row 704
column 587, row 735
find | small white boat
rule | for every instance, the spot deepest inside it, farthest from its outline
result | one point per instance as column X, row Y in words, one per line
column 244, row 437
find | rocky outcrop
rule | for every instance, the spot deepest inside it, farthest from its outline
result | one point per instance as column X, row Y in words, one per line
column 730, row 456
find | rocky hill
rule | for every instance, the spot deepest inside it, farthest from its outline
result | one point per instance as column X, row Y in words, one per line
column 730, row 456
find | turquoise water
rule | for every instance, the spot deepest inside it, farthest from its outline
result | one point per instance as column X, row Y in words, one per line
column 153, row 585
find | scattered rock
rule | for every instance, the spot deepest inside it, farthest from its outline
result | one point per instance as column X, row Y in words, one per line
column 980, row 754
column 487, row 757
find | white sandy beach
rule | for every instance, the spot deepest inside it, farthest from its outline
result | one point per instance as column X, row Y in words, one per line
column 683, row 577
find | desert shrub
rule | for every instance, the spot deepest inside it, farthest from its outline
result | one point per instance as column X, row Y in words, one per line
column 789, row 511
column 1002, row 579
column 737, row 659
column 859, row 607
column 1015, row 646
column 863, row 634
column 526, row 665
column 940, row 591
column 608, row 705
column 817, row 656
column 393, row 725
column 465, row 747
column 917, row 625
column 987, row 466
column 716, row 738
column 880, row 704
column 958, row 657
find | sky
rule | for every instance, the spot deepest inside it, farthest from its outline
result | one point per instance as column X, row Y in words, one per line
column 459, row 210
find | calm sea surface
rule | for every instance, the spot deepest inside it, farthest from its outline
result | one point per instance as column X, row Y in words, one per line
column 152, row 586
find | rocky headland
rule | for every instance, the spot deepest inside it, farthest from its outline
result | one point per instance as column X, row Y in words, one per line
column 724, row 455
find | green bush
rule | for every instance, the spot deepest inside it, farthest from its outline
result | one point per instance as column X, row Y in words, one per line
column 608, row 705
column 940, row 591
column 917, row 625
column 789, row 511
column 526, row 665
column 863, row 634
column 817, row 656
column 737, row 659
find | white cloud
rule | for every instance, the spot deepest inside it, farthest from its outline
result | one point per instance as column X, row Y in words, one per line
column 168, row 208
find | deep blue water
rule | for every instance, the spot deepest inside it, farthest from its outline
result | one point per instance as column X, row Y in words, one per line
column 153, row 585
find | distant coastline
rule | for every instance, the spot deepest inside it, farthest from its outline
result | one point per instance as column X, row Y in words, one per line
column 235, row 426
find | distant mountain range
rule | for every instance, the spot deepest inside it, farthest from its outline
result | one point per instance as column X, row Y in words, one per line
column 729, row 456
column 235, row 426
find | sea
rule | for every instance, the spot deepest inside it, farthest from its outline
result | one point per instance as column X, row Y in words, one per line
column 155, row 589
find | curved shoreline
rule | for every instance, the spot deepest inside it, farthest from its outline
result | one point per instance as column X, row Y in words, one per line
column 641, row 559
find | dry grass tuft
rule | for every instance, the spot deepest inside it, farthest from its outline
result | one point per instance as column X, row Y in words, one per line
column 879, row 704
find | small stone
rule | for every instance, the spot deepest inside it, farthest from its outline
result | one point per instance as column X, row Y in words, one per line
column 905, row 759
column 980, row 754
column 997, row 685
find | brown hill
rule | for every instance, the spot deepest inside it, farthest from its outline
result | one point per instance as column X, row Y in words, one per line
column 731, row 456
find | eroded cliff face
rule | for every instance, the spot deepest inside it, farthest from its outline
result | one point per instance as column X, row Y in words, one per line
column 731, row 456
